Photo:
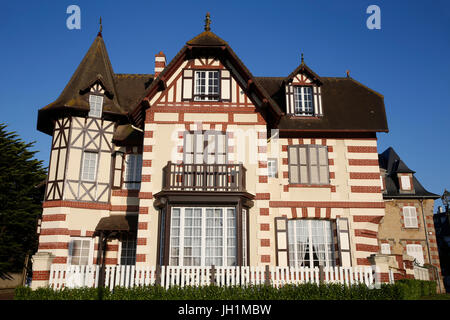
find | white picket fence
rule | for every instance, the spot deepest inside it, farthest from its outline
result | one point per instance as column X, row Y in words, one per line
column 129, row 276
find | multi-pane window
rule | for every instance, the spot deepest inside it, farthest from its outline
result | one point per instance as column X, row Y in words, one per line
column 272, row 168
column 128, row 250
column 308, row 164
column 203, row 237
column 385, row 248
column 89, row 166
column 206, row 86
column 80, row 251
column 415, row 251
column 410, row 217
column 310, row 243
column 303, row 101
column 209, row 147
column 96, row 105
column 133, row 169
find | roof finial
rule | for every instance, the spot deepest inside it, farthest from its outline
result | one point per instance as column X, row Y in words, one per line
column 348, row 73
column 101, row 27
column 303, row 61
column 207, row 22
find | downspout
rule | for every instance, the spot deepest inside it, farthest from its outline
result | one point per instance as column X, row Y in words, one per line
column 428, row 245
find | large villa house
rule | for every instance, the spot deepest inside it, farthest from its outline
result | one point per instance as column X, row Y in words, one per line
column 202, row 163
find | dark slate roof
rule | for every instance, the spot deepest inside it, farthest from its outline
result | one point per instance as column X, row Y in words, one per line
column 122, row 90
column 207, row 38
column 391, row 162
column 347, row 106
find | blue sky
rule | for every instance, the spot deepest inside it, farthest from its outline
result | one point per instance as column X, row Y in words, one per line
column 407, row 60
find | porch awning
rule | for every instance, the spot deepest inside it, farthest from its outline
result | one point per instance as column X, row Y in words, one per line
column 117, row 223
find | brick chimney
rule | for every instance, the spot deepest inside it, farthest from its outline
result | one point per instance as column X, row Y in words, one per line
column 160, row 63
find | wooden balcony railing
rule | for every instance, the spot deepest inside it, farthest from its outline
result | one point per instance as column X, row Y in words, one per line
column 204, row 177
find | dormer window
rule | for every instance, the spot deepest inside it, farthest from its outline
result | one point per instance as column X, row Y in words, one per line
column 206, row 86
column 303, row 101
column 406, row 183
column 96, row 106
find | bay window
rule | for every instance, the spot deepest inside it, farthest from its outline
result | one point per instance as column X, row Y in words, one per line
column 203, row 236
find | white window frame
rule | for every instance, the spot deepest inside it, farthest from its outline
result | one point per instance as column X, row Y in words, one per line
column 205, row 91
column 415, row 251
column 133, row 171
column 181, row 236
column 89, row 173
column 272, row 167
column 95, row 106
column 71, row 248
column 303, row 107
column 292, row 236
column 406, row 183
column 385, row 248
column 410, row 217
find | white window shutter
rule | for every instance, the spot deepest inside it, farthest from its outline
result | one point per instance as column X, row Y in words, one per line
column 117, row 170
column 343, row 235
column 188, row 83
column 225, row 85
column 317, row 101
column 289, row 99
column 281, row 241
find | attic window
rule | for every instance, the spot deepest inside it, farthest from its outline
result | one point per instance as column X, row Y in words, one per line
column 96, row 105
column 406, row 182
column 303, row 101
column 206, row 86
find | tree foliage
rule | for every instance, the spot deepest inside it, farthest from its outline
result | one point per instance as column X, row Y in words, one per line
column 21, row 193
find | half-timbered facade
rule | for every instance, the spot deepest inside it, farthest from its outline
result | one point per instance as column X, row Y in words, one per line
column 202, row 163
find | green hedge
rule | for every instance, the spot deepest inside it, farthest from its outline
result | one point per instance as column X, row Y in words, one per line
column 401, row 290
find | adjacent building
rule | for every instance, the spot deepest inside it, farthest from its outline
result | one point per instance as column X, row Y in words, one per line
column 407, row 229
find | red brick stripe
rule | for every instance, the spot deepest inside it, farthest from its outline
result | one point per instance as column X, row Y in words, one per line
column 41, row 275
column 364, row 175
column 371, row 219
column 325, row 204
column 362, row 149
column 262, row 196
column 53, row 245
column 76, row 204
column 365, row 233
column 363, row 162
column 365, row 189
column 125, row 193
column 54, row 232
column 54, row 217
column 366, row 247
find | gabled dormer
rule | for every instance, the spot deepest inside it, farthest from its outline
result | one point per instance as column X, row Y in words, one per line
column 303, row 92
